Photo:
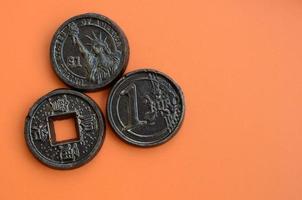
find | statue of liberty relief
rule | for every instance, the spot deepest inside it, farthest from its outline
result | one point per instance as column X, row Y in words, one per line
column 101, row 61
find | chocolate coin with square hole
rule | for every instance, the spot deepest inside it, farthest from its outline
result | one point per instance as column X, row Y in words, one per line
column 145, row 108
column 40, row 134
column 89, row 51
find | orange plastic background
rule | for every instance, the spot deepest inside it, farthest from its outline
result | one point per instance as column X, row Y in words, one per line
column 239, row 63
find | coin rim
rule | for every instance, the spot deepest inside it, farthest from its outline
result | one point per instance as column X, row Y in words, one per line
column 119, row 133
column 96, row 87
column 35, row 151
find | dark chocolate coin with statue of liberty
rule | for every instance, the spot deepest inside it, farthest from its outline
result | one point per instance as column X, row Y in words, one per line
column 89, row 51
column 40, row 133
column 145, row 108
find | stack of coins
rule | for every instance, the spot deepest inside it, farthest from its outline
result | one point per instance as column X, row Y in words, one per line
column 90, row 52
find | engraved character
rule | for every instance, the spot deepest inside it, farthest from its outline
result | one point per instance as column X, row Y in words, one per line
column 74, row 61
column 88, row 122
column 69, row 152
column 40, row 132
column 60, row 104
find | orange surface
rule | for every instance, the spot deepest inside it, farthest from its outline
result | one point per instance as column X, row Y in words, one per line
column 65, row 129
column 239, row 63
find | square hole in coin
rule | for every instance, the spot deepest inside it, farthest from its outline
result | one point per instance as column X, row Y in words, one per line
column 64, row 128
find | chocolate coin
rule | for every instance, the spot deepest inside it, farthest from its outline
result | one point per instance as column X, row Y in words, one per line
column 40, row 135
column 145, row 108
column 89, row 51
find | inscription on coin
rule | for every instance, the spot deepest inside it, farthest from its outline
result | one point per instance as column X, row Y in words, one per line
column 89, row 51
column 40, row 134
column 145, row 108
